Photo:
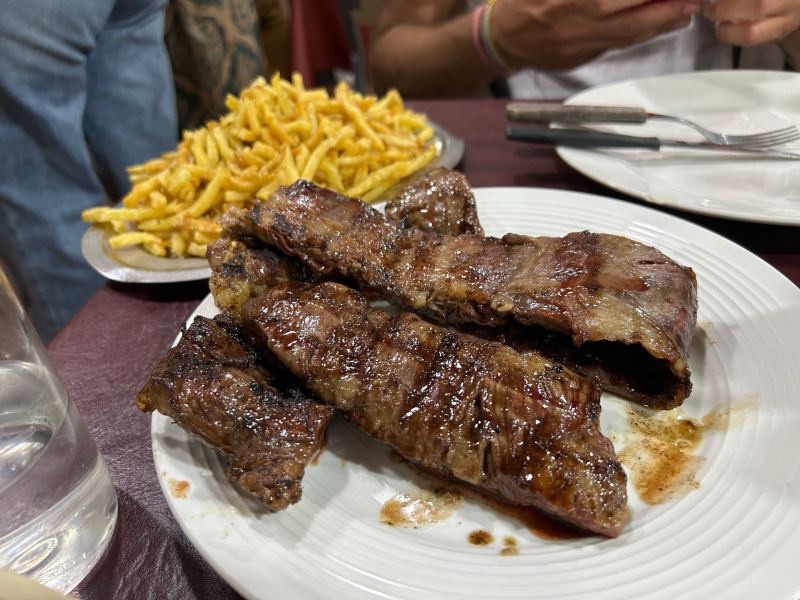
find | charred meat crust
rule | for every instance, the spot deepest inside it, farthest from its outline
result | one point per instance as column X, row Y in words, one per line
column 214, row 385
column 440, row 203
column 241, row 269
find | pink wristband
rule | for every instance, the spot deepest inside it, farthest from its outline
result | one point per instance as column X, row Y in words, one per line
column 477, row 40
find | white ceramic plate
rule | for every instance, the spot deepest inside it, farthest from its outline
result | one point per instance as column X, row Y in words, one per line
column 748, row 189
column 134, row 265
column 735, row 537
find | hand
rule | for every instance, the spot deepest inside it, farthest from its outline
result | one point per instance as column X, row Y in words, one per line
column 752, row 22
column 562, row 34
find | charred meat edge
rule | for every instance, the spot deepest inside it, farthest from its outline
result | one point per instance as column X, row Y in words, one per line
column 215, row 385
column 441, row 202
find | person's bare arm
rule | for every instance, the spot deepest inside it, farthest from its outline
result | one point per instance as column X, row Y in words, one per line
column 425, row 48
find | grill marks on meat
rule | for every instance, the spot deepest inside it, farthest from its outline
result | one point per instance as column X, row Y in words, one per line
column 590, row 287
column 215, row 385
column 241, row 269
column 440, row 203
column 512, row 422
column 516, row 426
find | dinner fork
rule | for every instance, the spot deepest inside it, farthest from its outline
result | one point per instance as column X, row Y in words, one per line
column 575, row 114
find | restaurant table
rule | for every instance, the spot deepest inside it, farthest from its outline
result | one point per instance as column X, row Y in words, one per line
column 107, row 351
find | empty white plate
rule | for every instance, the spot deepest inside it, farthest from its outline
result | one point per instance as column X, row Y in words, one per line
column 718, row 184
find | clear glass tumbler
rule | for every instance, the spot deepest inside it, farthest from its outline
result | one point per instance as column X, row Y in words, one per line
column 57, row 505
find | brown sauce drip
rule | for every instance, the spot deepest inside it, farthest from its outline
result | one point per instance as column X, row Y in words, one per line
column 315, row 459
column 420, row 508
column 480, row 537
column 537, row 523
column 510, row 546
column 178, row 488
column 660, row 450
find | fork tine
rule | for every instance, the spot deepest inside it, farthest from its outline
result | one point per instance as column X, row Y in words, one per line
column 769, row 142
column 766, row 140
column 761, row 144
column 789, row 137
column 790, row 131
column 766, row 137
column 772, row 136
column 771, row 133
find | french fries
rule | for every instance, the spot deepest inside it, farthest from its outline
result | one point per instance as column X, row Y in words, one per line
column 274, row 134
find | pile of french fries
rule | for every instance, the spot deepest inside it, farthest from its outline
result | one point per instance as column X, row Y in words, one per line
column 274, row 134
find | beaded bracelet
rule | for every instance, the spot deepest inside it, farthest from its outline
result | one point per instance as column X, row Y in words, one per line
column 480, row 39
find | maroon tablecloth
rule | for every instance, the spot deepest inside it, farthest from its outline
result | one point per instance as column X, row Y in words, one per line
column 105, row 353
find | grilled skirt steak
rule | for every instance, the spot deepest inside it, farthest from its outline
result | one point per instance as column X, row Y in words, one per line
column 215, row 385
column 441, row 203
column 243, row 269
column 628, row 299
column 518, row 427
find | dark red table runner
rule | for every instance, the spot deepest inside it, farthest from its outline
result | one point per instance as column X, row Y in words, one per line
column 106, row 352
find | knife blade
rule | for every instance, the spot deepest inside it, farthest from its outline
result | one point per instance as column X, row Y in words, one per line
column 587, row 138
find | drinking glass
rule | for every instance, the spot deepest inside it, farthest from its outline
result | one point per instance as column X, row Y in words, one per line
column 57, row 505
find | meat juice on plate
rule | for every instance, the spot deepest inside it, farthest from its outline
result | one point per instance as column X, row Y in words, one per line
column 57, row 503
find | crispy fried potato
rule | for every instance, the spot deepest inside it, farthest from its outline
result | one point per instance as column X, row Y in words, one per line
column 275, row 133
column 131, row 238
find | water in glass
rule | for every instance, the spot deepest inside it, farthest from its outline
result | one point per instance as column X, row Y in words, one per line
column 57, row 503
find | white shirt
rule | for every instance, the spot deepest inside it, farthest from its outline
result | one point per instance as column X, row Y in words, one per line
column 693, row 48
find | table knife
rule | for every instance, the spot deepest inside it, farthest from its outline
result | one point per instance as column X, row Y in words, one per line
column 587, row 138
column 572, row 114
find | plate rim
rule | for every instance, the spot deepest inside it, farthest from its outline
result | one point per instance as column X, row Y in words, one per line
column 93, row 247
column 576, row 158
column 207, row 550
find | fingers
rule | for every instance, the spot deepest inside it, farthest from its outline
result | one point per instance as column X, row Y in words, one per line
column 651, row 19
column 753, row 22
column 757, row 32
column 609, row 7
column 744, row 10
column 660, row 16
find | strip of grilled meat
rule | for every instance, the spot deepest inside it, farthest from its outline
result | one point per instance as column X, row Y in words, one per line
column 241, row 269
column 215, row 385
column 627, row 299
column 518, row 427
column 440, row 203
